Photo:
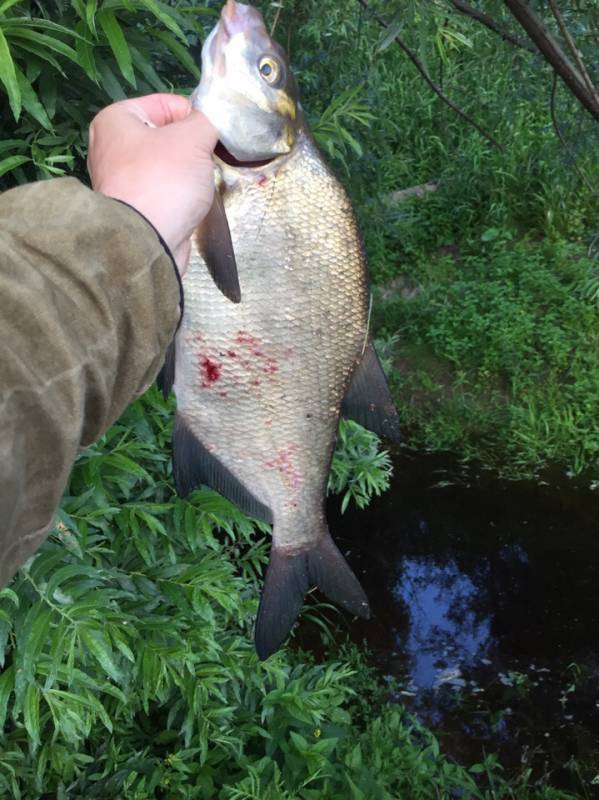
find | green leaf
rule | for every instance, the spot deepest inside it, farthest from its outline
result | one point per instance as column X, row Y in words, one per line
column 16, row 25
column 163, row 15
column 12, row 162
column 356, row 793
column 85, row 55
column 22, row 46
column 129, row 466
column 490, row 234
column 31, row 101
column 143, row 65
column 8, row 77
column 31, row 638
column 46, row 42
column 8, row 4
column 180, row 52
column 31, row 715
column 90, row 15
column 391, row 33
column 12, row 144
column 9, row 594
column 118, row 44
column 7, row 685
column 97, row 643
column 108, row 81
column 47, row 90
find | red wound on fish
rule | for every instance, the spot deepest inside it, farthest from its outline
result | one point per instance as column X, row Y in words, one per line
column 243, row 337
column 252, row 356
column 209, row 371
column 283, row 463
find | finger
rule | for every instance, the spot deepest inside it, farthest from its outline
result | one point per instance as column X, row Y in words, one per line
column 156, row 109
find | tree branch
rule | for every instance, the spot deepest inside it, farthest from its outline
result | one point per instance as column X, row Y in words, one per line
column 422, row 70
column 560, row 136
column 553, row 54
column 574, row 50
column 490, row 23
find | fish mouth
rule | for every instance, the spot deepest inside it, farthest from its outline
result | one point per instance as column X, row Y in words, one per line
column 221, row 152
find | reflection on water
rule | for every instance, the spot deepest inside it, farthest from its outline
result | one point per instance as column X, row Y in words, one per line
column 485, row 601
column 445, row 628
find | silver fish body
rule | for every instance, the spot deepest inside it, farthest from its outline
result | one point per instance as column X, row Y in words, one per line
column 260, row 384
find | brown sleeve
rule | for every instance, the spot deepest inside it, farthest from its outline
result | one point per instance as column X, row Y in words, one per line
column 89, row 301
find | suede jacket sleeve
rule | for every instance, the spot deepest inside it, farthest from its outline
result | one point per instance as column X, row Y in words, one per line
column 89, row 301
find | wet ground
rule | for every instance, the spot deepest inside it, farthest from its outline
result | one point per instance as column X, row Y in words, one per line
column 485, row 600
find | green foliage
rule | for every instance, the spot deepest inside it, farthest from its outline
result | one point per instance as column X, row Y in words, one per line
column 360, row 469
column 498, row 354
column 125, row 643
column 128, row 671
column 61, row 62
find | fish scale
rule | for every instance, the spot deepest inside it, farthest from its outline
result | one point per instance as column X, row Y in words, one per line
column 303, row 278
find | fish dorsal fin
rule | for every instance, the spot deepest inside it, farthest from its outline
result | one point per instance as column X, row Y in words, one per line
column 213, row 238
column 166, row 376
column 194, row 465
column 368, row 400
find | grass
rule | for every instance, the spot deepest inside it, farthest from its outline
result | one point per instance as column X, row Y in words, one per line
column 497, row 355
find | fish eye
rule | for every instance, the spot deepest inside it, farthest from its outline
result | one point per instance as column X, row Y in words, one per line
column 270, row 69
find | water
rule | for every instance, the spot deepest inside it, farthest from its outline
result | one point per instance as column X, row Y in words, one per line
column 485, row 600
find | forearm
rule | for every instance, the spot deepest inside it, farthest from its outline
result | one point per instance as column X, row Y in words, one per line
column 89, row 301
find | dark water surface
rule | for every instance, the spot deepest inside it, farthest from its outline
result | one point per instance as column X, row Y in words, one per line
column 485, row 600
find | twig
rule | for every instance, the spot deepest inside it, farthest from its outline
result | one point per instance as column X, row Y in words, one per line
column 490, row 23
column 276, row 19
column 574, row 50
column 560, row 136
column 422, row 70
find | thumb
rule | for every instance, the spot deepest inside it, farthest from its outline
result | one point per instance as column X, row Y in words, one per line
column 158, row 109
column 197, row 125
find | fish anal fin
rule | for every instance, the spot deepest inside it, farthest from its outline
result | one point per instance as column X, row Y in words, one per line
column 368, row 399
column 166, row 376
column 289, row 575
column 194, row 465
column 213, row 238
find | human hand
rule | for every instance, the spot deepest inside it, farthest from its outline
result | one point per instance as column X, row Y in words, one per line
column 155, row 153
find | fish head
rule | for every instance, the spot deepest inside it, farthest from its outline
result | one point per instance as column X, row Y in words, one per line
column 247, row 89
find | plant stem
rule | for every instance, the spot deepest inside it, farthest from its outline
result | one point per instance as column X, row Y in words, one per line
column 490, row 23
column 423, row 71
column 574, row 50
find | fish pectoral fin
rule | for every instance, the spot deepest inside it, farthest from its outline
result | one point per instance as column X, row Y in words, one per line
column 166, row 376
column 194, row 465
column 368, row 400
column 288, row 578
column 216, row 248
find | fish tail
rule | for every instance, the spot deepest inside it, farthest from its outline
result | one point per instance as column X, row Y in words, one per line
column 289, row 576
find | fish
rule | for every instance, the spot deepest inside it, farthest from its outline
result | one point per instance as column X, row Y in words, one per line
column 260, row 384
